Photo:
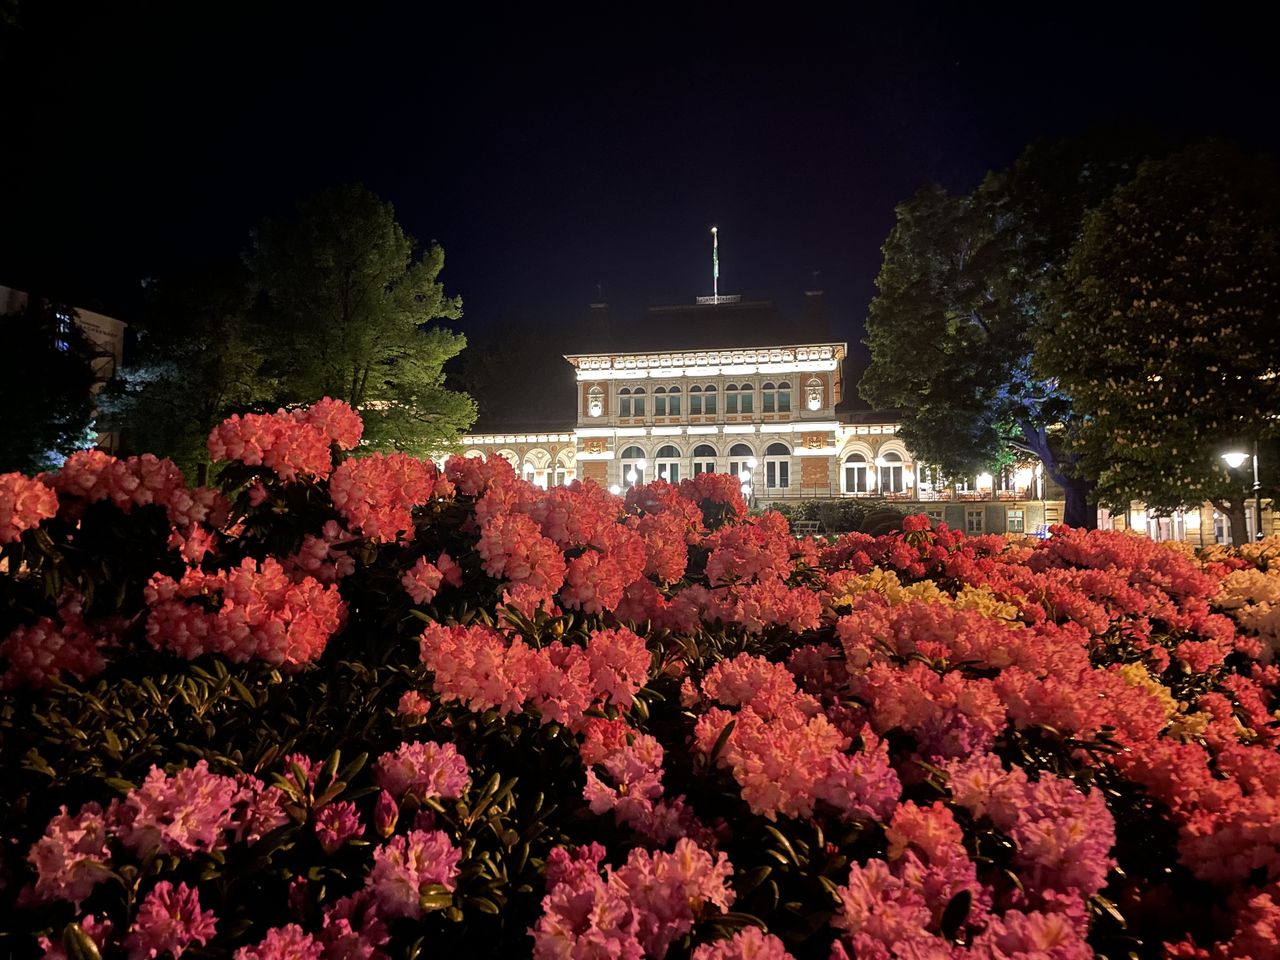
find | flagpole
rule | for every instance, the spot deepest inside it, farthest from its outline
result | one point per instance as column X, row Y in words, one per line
column 715, row 266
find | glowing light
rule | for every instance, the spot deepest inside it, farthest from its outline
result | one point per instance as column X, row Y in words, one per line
column 642, row 463
column 1235, row 458
column 746, row 489
column 631, row 475
column 744, row 476
column 984, row 481
column 752, row 462
column 615, row 489
column 1022, row 479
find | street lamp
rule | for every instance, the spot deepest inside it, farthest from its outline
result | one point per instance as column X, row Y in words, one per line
column 1235, row 459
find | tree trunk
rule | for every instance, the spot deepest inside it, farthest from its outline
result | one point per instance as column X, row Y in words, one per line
column 1078, row 511
column 1239, row 524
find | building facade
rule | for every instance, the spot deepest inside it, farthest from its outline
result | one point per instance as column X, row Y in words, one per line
column 774, row 416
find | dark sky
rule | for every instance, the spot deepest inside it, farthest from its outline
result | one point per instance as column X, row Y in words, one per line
column 551, row 151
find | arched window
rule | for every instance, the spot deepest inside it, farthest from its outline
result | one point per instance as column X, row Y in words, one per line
column 890, row 465
column 624, row 402
column 767, row 396
column 813, row 394
column 667, row 463
column 704, row 459
column 741, row 459
column 776, row 398
column 660, row 402
column 777, row 466
column 855, row 474
column 633, row 466
column 595, row 402
column 709, row 400
column 695, row 401
column 746, row 398
column 731, row 398
column 637, row 402
column 673, row 402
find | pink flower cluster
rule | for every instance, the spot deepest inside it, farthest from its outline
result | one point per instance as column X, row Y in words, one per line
column 634, row 911
column 192, row 811
column 289, row 443
column 426, row 769
column 257, row 613
column 486, row 671
column 377, row 494
column 406, row 866
column 24, row 504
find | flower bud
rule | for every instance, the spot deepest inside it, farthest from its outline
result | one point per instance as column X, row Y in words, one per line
column 385, row 814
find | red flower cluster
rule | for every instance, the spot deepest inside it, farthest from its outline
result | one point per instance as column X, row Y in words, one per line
column 481, row 668
column 378, row 493
column 289, row 443
column 253, row 611
column 24, row 503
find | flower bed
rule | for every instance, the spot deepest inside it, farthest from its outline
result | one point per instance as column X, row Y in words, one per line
column 363, row 707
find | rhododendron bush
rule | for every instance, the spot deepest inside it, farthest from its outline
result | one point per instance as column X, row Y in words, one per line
column 340, row 706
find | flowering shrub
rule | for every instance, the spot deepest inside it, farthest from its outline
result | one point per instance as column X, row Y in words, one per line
column 358, row 707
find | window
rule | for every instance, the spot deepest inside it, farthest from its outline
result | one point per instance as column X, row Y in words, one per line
column 767, row 397
column 731, row 398
column 595, row 402
column 709, row 400
column 935, row 517
column 561, row 475
column 746, row 398
column 695, row 401
column 624, row 402
column 890, row 473
column 673, row 402
column 660, row 402
column 777, row 466
column 637, row 402
column 1015, row 521
column 741, row 458
column 667, row 464
column 704, row 459
column 633, row 464
column 62, row 341
column 784, row 397
column 974, row 521
column 856, row 474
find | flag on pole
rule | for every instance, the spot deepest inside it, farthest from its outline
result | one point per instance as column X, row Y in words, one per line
column 715, row 264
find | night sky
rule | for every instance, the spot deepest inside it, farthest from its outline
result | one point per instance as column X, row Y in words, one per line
column 551, row 152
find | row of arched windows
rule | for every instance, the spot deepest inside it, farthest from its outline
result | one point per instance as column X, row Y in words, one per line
column 668, row 463
column 775, row 398
column 859, row 478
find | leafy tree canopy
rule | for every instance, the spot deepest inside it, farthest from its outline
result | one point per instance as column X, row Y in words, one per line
column 46, row 395
column 352, row 309
column 1168, row 333
column 964, row 284
column 198, row 358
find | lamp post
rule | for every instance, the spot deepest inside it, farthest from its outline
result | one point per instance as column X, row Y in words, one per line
column 1235, row 459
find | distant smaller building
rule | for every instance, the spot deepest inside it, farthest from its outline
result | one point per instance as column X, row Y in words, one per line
column 105, row 333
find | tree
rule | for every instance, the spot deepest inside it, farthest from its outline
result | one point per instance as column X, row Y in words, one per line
column 1168, row 336
column 199, row 358
column 352, row 307
column 46, row 394
column 966, row 280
